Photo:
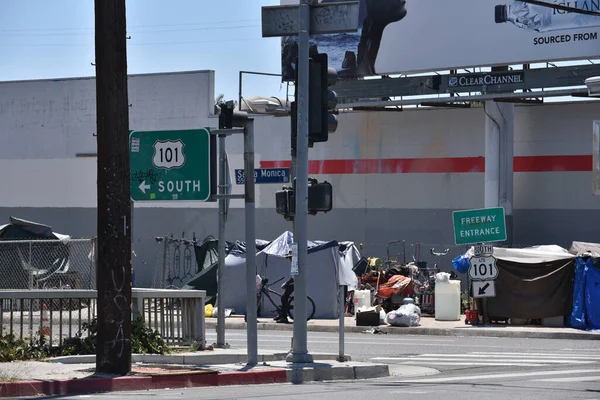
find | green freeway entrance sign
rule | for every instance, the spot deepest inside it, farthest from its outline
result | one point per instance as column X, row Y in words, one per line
column 479, row 226
column 170, row 165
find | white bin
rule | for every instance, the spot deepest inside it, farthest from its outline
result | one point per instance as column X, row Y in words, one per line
column 447, row 301
column 362, row 298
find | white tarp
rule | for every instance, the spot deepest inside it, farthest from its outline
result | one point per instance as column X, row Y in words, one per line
column 329, row 265
column 530, row 255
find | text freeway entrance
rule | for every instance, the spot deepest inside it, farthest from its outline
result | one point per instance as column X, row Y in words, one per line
column 479, row 226
column 170, row 165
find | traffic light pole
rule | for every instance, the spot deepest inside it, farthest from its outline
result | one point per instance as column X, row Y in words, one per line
column 300, row 349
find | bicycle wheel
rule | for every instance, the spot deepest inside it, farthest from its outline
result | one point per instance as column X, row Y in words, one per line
column 310, row 308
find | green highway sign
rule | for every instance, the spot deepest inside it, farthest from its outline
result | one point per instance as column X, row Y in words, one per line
column 170, row 165
column 479, row 226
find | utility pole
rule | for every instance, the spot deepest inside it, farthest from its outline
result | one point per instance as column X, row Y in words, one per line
column 113, row 348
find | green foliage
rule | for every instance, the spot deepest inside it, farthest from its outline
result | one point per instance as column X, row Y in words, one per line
column 144, row 340
column 15, row 349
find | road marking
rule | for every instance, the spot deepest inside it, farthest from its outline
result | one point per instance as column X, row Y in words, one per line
column 472, row 378
column 526, row 356
column 571, row 379
column 472, row 364
column 494, row 354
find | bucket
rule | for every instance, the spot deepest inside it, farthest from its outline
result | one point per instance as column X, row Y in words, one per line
column 447, row 301
column 362, row 298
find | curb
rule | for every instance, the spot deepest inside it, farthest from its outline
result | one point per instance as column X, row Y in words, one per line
column 125, row 383
column 468, row 331
column 294, row 374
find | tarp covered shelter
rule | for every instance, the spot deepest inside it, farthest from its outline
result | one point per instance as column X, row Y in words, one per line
column 329, row 265
column 207, row 259
column 29, row 252
column 532, row 283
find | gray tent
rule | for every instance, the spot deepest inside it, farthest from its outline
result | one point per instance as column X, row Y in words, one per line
column 329, row 265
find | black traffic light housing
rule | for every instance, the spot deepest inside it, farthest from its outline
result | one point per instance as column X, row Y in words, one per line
column 320, row 199
column 321, row 102
column 229, row 117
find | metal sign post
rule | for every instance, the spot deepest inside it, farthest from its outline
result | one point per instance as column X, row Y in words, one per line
column 303, row 20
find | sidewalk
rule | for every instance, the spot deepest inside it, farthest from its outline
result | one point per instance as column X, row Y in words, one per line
column 429, row 326
column 76, row 374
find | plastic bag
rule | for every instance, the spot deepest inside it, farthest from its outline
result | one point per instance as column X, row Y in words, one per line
column 208, row 310
column 442, row 277
column 405, row 316
column 461, row 263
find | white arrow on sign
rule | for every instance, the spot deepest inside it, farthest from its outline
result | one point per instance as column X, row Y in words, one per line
column 143, row 187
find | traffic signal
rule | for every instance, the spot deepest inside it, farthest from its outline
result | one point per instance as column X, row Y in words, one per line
column 320, row 199
column 285, row 202
column 320, row 196
column 322, row 101
column 229, row 117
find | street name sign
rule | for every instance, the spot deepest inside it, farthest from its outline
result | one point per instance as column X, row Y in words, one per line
column 483, row 268
column 480, row 225
column 264, row 175
column 324, row 18
column 170, row 165
column 484, row 289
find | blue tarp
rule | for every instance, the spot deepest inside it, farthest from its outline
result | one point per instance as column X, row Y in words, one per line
column 592, row 293
column 577, row 318
column 586, row 294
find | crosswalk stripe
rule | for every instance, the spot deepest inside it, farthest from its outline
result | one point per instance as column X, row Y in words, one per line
column 508, row 356
column 472, row 364
column 492, row 361
column 570, row 379
column 498, row 354
column 472, row 378
column 489, row 359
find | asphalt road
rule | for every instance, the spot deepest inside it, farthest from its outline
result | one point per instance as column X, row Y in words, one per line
column 450, row 367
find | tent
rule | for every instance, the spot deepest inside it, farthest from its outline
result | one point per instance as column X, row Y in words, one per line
column 207, row 259
column 30, row 252
column 329, row 265
column 532, row 283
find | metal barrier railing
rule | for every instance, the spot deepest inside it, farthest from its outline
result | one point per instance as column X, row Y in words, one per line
column 177, row 315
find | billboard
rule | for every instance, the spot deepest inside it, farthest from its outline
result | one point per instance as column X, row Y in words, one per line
column 410, row 36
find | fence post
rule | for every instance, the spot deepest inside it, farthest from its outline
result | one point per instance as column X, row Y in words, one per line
column 164, row 265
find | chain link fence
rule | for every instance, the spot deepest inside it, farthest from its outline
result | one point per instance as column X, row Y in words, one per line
column 47, row 264
column 176, row 263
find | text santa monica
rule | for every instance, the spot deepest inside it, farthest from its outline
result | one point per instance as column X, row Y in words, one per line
column 265, row 175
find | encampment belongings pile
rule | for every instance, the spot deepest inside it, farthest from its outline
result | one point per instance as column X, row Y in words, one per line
column 407, row 315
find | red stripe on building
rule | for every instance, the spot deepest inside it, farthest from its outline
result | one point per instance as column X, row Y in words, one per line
column 576, row 163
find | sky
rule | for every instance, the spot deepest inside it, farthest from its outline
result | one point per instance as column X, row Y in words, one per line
column 55, row 39
column 42, row 39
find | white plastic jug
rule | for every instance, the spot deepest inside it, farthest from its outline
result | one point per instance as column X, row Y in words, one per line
column 447, row 301
column 362, row 298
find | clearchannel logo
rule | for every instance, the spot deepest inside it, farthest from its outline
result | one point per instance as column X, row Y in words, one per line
column 453, row 81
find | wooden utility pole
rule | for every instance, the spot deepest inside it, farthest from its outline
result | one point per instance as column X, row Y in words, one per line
column 113, row 351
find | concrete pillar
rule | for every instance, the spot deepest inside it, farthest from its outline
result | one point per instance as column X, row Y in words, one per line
column 499, row 154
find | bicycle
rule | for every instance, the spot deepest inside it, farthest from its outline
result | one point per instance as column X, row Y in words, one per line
column 265, row 290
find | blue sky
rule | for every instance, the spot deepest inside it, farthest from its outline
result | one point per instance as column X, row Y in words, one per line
column 55, row 39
